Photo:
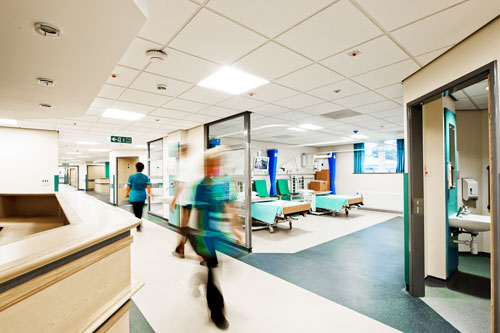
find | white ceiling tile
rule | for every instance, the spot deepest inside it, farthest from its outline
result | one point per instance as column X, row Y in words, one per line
column 202, row 118
column 204, row 95
column 101, row 103
column 149, row 82
column 165, row 18
column 270, row 110
column 394, row 118
column 373, row 54
column 346, row 87
column 186, row 123
column 141, row 97
column 292, row 115
column 217, row 111
column 262, row 15
column 399, row 100
column 407, row 10
column 374, row 107
column 426, row 58
column 464, row 104
column 447, row 27
column 271, row 61
column 478, row 89
column 322, row 108
column 272, row 92
column 299, row 101
column 387, row 75
column 167, row 113
column 241, row 103
column 459, row 95
column 359, row 99
column 215, row 38
column 134, row 107
column 135, row 56
column 124, row 76
column 392, row 91
column 308, row 78
column 185, row 105
column 357, row 119
column 388, row 113
column 109, row 91
column 183, row 66
column 324, row 34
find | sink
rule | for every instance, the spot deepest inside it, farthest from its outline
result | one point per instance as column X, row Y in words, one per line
column 471, row 222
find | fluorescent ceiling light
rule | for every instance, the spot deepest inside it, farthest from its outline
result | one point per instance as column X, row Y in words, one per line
column 268, row 126
column 124, row 115
column 359, row 136
column 98, row 149
column 296, row 129
column 8, row 121
column 73, row 153
column 310, row 127
column 232, row 80
column 325, row 142
column 87, row 143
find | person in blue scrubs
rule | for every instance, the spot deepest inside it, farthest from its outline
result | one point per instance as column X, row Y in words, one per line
column 137, row 185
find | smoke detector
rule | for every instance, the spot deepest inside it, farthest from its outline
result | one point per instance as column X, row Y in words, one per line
column 47, row 30
column 354, row 53
column 156, row 55
column 44, row 106
column 337, row 91
column 161, row 87
column 45, row 82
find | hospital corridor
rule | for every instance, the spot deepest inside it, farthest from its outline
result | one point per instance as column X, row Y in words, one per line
column 249, row 166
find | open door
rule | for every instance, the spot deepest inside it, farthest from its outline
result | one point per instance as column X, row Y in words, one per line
column 125, row 167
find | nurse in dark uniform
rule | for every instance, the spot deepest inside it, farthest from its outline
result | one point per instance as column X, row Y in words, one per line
column 137, row 185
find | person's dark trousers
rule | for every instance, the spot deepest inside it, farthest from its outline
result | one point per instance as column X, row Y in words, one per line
column 215, row 300
column 138, row 207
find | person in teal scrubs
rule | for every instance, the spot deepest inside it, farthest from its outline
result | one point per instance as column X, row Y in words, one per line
column 137, row 185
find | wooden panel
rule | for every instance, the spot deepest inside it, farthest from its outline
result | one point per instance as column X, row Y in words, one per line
column 118, row 322
column 17, row 228
column 323, row 175
column 95, row 171
column 296, row 209
column 29, row 205
column 126, row 168
column 76, row 301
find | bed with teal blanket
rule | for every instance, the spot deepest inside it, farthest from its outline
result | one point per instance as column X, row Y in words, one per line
column 337, row 203
column 271, row 212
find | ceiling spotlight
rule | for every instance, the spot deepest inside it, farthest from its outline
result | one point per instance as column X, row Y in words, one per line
column 47, row 30
column 161, row 87
column 45, row 82
column 337, row 91
column 44, row 106
column 156, row 55
column 486, row 88
column 354, row 53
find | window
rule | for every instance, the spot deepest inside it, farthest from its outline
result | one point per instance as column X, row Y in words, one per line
column 379, row 157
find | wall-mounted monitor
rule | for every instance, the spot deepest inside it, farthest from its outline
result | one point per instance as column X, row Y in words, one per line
column 261, row 165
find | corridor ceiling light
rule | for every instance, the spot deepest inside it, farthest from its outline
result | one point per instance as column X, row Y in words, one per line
column 310, row 127
column 341, row 140
column 87, row 143
column 8, row 121
column 268, row 126
column 123, row 115
column 99, row 149
column 359, row 136
column 232, row 80
column 296, row 129
column 73, row 153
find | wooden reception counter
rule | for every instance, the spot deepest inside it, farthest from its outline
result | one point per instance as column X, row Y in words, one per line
column 70, row 273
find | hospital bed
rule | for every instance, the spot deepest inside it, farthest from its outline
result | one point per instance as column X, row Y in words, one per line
column 322, row 202
column 269, row 211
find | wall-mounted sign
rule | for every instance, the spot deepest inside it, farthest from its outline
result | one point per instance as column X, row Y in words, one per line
column 121, row 139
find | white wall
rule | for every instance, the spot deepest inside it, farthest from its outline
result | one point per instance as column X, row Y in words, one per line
column 28, row 156
column 473, row 154
column 141, row 153
column 380, row 191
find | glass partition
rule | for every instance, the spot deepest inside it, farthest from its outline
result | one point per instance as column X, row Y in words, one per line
column 233, row 134
column 155, row 167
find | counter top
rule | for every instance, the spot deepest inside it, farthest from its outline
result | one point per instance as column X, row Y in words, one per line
column 90, row 222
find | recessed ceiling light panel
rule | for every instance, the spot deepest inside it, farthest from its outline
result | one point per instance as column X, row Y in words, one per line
column 232, row 80
column 5, row 121
column 296, row 129
column 310, row 127
column 123, row 115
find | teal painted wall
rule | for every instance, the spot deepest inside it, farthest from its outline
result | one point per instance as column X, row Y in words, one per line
column 106, row 169
column 451, row 194
column 406, row 229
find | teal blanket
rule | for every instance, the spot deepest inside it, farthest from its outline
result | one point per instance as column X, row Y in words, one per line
column 266, row 211
column 333, row 202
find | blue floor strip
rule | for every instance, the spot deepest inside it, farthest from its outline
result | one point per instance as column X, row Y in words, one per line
column 363, row 271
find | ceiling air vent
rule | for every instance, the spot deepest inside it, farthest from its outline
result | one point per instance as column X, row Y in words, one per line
column 346, row 113
column 47, row 30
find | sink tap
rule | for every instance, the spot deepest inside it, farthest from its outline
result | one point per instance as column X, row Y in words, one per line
column 465, row 211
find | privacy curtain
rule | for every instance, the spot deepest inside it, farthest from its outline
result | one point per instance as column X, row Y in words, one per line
column 401, row 155
column 331, row 165
column 273, row 161
column 359, row 157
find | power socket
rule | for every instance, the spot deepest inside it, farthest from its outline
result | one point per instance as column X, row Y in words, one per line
column 45, row 182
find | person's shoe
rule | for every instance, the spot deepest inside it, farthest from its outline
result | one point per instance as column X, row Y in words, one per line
column 177, row 254
column 139, row 227
column 221, row 322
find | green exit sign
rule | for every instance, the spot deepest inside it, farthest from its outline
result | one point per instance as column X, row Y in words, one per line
column 65, row 164
column 121, row 139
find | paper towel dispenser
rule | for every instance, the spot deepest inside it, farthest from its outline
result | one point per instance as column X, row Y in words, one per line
column 469, row 189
